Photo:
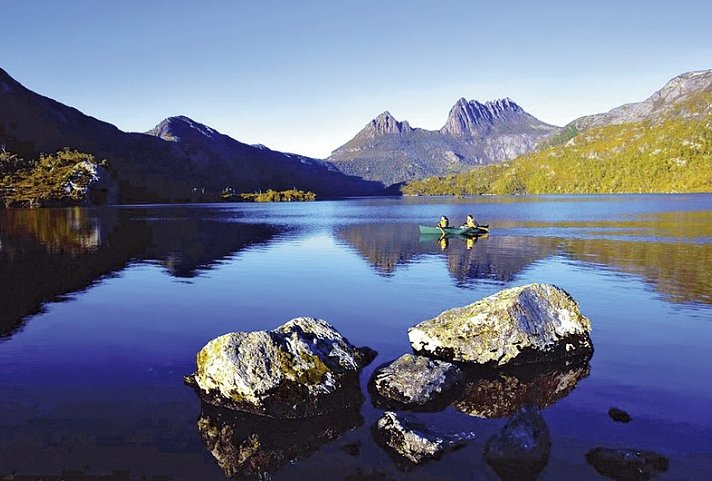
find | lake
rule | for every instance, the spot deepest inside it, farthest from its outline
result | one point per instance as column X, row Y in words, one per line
column 103, row 310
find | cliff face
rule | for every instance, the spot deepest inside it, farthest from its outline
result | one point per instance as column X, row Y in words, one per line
column 390, row 151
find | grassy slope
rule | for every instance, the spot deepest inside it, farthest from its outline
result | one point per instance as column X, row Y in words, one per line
column 671, row 155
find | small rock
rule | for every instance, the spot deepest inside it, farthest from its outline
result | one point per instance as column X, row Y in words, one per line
column 413, row 441
column 412, row 382
column 532, row 323
column 303, row 368
column 619, row 415
column 521, row 450
column 627, row 464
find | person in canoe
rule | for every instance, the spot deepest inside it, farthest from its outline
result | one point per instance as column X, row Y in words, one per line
column 443, row 222
column 470, row 221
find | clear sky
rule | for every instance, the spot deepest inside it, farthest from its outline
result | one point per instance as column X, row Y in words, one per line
column 304, row 76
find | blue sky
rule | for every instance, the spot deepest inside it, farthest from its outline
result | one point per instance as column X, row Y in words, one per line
column 305, row 76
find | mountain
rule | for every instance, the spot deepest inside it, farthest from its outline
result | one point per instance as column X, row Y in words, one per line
column 248, row 168
column 390, row 151
column 667, row 102
column 663, row 144
column 179, row 160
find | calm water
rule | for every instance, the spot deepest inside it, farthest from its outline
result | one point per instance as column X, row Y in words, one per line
column 103, row 310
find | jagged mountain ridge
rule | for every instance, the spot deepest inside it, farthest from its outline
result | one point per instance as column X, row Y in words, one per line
column 391, row 151
column 182, row 156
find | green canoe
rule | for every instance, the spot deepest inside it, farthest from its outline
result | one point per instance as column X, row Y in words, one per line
column 466, row 231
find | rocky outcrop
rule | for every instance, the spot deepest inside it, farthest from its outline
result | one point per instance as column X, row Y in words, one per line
column 627, row 464
column 414, row 382
column 501, row 393
column 521, row 450
column 532, row 323
column 250, row 447
column 413, row 442
column 303, row 368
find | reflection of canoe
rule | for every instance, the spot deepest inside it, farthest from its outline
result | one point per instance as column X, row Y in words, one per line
column 465, row 231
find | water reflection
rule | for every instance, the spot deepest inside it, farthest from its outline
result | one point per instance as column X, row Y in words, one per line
column 247, row 446
column 501, row 393
column 499, row 258
column 47, row 253
column 681, row 271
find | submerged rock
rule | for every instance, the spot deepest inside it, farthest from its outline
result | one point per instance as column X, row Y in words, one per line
column 619, row 415
column 627, row 464
column 249, row 447
column 532, row 323
column 414, row 382
column 412, row 441
column 521, row 450
column 490, row 393
column 303, row 368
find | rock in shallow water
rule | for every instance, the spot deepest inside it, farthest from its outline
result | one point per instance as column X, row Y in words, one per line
column 521, row 450
column 532, row 323
column 619, row 415
column 413, row 441
column 303, row 368
column 627, row 464
column 414, row 382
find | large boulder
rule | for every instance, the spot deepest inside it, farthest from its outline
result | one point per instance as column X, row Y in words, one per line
column 414, row 382
column 532, row 323
column 521, row 450
column 303, row 368
column 413, row 442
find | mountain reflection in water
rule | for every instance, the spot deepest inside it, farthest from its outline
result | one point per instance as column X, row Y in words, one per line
column 47, row 253
column 680, row 271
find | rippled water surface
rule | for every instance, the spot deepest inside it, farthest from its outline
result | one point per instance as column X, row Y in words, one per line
column 103, row 310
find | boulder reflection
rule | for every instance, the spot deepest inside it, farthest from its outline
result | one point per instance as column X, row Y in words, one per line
column 502, row 393
column 247, row 446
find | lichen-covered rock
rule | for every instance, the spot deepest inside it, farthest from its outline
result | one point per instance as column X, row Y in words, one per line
column 303, row 368
column 627, row 464
column 412, row 441
column 521, row 450
column 532, row 323
column 249, row 447
column 501, row 393
column 414, row 382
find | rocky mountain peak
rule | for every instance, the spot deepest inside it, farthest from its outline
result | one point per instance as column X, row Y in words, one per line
column 385, row 123
column 468, row 118
column 180, row 127
column 683, row 85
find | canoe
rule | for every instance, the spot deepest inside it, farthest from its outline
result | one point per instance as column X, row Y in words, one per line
column 464, row 231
